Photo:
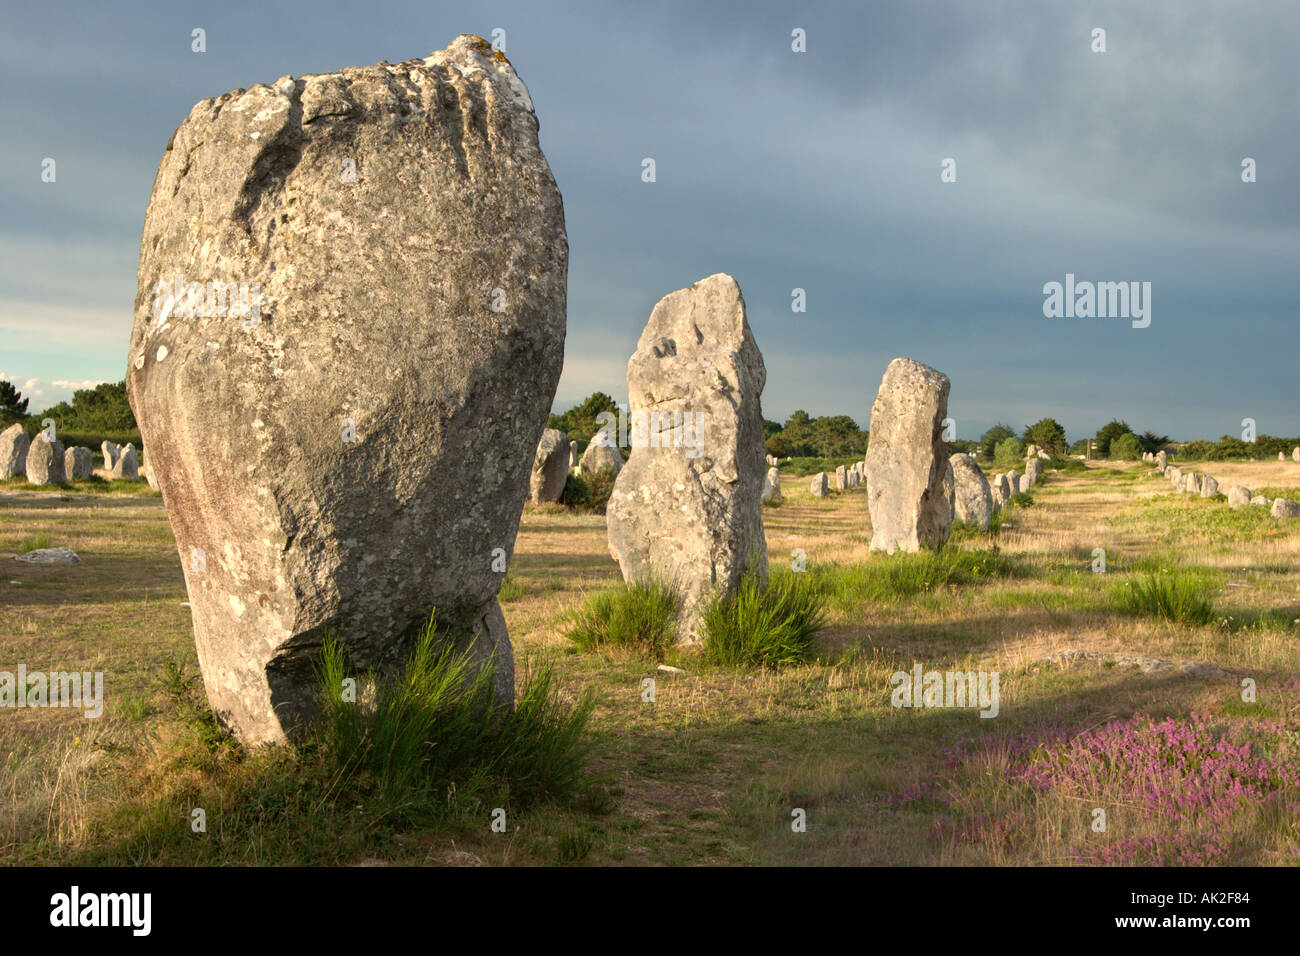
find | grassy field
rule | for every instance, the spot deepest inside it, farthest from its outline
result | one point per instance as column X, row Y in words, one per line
column 1144, row 720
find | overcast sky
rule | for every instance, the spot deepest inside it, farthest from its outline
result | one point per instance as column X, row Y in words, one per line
column 817, row 170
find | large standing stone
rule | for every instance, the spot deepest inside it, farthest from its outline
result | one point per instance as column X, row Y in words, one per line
column 354, row 451
column 1209, row 486
column 907, row 459
column 772, row 484
column 1295, row 453
column 1175, row 475
column 841, row 478
column 77, row 463
column 110, row 450
column 550, row 467
column 1025, row 483
column 45, row 462
column 687, row 506
column 1285, row 508
column 601, row 453
column 1013, row 483
column 127, row 466
column 1162, row 460
column 972, row 498
column 1192, row 483
column 1033, row 470
column 573, row 456
column 1238, row 496
column 819, row 485
column 14, row 445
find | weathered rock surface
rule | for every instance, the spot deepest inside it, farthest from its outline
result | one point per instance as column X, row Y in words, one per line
column 1209, row 486
column 45, row 461
column 1033, row 470
column 772, row 484
column 1238, row 496
column 78, row 463
column 110, row 450
column 353, row 449
column 49, row 556
column 14, row 445
column 1295, row 453
column 972, row 497
column 1192, row 483
column 841, row 478
column 601, row 453
column 550, row 467
column 819, row 485
column 1285, row 508
column 1259, row 501
column 1162, row 460
column 907, row 459
column 687, row 508
column 127, row 465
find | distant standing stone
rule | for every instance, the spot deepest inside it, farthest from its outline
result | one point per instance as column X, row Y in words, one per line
column 1285, row 508
column 110, row 450
column 907, row 459
column 972, row 497
column 45, row 462
column 1209, row 486
column 550, row 467
column 772, row 484
column 1295, row 453
column 1162, row 460
column 77, row 464
column 14, row 445
column 841, row 478
column 1033, row 470
column 819, row 485
column 601, row 454
column 1238, row 496
column 127, row 466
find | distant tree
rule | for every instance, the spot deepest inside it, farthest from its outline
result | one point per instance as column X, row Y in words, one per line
column 771, row 428
column 832, row 436
column 103, row 408
column 1152, row 442
column 963, row 446
column 1046, row 433
column 776, row 445
column 1010, row 452
column 13, row 407
column 579, row 422
column 1109, row 432
column 989, row 440
column 1126, row 447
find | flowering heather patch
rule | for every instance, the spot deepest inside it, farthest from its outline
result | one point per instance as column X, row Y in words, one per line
column 1185, row 791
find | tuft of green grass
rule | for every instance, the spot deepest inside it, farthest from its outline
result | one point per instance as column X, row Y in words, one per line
column 759, row 626
column 1178, row 595
column 34, row 543
column 407, row 742
column 884, row 578
column 640, row 616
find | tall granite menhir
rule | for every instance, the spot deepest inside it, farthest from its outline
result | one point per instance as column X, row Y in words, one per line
column 343, row 444
column 687, row 507
column 907, row 459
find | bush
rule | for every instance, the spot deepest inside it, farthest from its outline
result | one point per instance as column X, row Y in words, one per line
column 641, row 616
column 1126, row 448
column 436, row 727
column 590, row 493
column 761, row 626
column 1181, row 596
column 1010, row 452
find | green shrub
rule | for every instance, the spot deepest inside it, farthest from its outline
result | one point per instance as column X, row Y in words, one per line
column 1022, row 499
column 436, row 728
column 34, row 543
column 641, row 616
column 760, row 626
column 885, row 578
column 1010, row 452
column 589, row 493
column 1178, row 595
column 1126, row 448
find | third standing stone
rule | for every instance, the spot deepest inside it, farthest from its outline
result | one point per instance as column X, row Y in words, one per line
column 907, row 459
column 687, row 506
column 45, row 462
column 14, row 445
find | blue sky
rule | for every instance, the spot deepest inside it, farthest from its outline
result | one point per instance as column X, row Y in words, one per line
column 817, row 170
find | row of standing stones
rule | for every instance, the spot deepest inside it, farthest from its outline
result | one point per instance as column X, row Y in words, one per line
column 358, row 458
column 1239, row 496
column 915, row 489
column 44, row 461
